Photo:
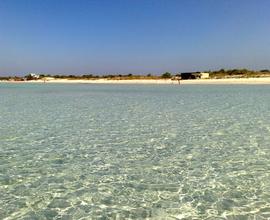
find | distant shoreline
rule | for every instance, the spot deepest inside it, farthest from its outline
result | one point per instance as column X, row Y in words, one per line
column 259, row 80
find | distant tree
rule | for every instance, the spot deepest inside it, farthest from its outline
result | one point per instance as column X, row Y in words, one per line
column 166, row 75
column 4, row 78
column 265, row 71
column 237, row 71
column 17, row 78
column 149, row 74
column 88, row 76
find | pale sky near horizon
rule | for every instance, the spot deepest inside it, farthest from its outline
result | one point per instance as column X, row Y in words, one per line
column 125, row 36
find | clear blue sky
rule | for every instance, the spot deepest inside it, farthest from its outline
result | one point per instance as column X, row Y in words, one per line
column 132, row 36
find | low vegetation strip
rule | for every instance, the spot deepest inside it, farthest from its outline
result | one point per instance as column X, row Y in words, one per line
column 218, row 74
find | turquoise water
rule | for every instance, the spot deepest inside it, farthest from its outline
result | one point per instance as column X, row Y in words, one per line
column 134, row 151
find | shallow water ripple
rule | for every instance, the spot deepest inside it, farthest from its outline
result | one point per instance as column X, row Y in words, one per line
column 134, row 152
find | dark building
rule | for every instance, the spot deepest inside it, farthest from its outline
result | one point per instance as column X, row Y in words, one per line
column 190, row 75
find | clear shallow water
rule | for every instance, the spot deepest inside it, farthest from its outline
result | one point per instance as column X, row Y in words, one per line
column 134, row 151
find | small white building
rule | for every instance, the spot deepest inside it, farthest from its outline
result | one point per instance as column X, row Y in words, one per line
column 34, row 75
column 204, row 75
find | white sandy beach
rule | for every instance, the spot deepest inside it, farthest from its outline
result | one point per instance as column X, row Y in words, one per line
column 260, row 80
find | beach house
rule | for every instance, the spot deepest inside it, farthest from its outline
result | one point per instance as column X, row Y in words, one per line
column 204, row 75
column 34, row 75
column 194, row 75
